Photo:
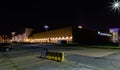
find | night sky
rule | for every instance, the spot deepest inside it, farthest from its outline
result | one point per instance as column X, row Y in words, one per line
column 94, row 14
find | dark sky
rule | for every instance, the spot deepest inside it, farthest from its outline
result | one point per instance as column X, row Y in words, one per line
column 94, row 14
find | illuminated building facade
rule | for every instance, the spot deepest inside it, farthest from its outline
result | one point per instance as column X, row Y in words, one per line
column 53, row 36
column 4, row 38
column 74, row 34
column 88, row 36
column 116, row 34
column 21, row 37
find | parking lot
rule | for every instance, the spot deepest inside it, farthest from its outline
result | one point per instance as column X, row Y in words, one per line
column 26, row 57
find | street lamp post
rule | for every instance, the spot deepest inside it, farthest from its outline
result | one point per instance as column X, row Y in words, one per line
column 46, row 27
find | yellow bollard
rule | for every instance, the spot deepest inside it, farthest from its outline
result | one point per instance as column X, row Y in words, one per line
column 58, row 56
column 47, row 55
column 55, row 56
column 15, row 69
column 52, row 55
column 62, row 57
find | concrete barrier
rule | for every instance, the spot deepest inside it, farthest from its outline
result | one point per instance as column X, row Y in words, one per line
column 56, row 56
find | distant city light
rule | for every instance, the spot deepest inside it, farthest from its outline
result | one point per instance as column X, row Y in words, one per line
column 115, row 5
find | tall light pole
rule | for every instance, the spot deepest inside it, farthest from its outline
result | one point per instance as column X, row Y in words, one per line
column 46, row 27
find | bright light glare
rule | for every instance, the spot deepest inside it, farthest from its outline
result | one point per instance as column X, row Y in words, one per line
column 80, row 27
column 46, row 26
column 115, row 5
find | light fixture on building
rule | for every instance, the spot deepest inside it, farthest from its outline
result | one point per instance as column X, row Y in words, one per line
column 63, row 38
column 59, row 38
column 71, row 37
column 80, row 27
column 66, row 37
column 104, row 34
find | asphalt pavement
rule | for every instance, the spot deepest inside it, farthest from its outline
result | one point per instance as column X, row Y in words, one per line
column 26, row 57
